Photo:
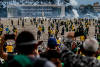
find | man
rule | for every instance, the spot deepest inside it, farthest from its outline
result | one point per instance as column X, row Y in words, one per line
column 1, row 28
column 7, row 30
column 12, row 22
column 52, row 53
column 62, row 33
column 23, row 23
column 90, row 47
column 26, row 47
column 15, row 30
column 38, row 34
column 9, row 48
column 18, row 22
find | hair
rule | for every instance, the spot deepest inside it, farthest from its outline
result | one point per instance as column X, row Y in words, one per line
column 53, row 54
column 90, row 46
column 51, row 46
column 25, row 37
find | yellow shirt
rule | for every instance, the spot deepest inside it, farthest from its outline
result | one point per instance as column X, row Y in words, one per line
column 73, row 28
column 98, row 57
column 9, row 48
column 58, row 42
column 40, row 28
column 52, row 32
column 82, row 38
column 1, row 29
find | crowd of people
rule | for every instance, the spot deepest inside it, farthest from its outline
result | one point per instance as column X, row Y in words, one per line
column 62, row 47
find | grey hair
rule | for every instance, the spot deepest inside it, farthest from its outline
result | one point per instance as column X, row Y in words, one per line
column 91, row 45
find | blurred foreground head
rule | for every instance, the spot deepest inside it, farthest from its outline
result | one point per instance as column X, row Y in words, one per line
column 26, row 43
column 91, row 45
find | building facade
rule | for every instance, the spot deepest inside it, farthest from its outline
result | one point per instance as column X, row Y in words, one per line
column 35, row 11
column 35, row 8
column 96, row 7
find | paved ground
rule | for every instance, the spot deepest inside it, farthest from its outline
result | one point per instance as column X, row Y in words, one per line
column 28, row 26
column 7, row 22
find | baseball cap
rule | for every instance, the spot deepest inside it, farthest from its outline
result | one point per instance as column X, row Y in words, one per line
column 52, row 42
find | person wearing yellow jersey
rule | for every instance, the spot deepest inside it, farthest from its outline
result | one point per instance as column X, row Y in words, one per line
column 73, row 28
column 98, row 57
column 9, row 48
column 1, row 30
column 98, row 53
column 52, row 32
column 82, row 38
column 58, row 41
column 49, row 33
column 40, row 28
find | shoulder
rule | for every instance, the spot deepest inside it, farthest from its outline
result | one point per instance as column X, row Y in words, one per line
column 41, row 62
column 77, row 60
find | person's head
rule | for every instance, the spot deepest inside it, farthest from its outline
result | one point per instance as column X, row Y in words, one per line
column 52, row 43
column 90, row 46
column 26, row 43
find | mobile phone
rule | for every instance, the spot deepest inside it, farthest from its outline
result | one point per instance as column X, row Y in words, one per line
column 9, row 36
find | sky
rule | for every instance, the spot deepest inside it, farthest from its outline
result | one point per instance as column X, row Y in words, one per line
column 87, row 1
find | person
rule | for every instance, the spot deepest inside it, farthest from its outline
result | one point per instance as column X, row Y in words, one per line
column 18, row 22
column 98, row 37
column 31, row 21
column 82, row 38
column 26, row 47
column 9, row 48
column 49, row 31
column 7, row 30
column 38, row 34
column 56, row 33
column 62, row 33
column 52, row 52
column 12, row 22
column 1, row 28
column 14, row 30
column 73, row 60
column 99, row 27
column 23, row 23
column 43, row 28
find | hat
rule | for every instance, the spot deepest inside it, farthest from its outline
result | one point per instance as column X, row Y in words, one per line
column 26, row 39
column 52, row 42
